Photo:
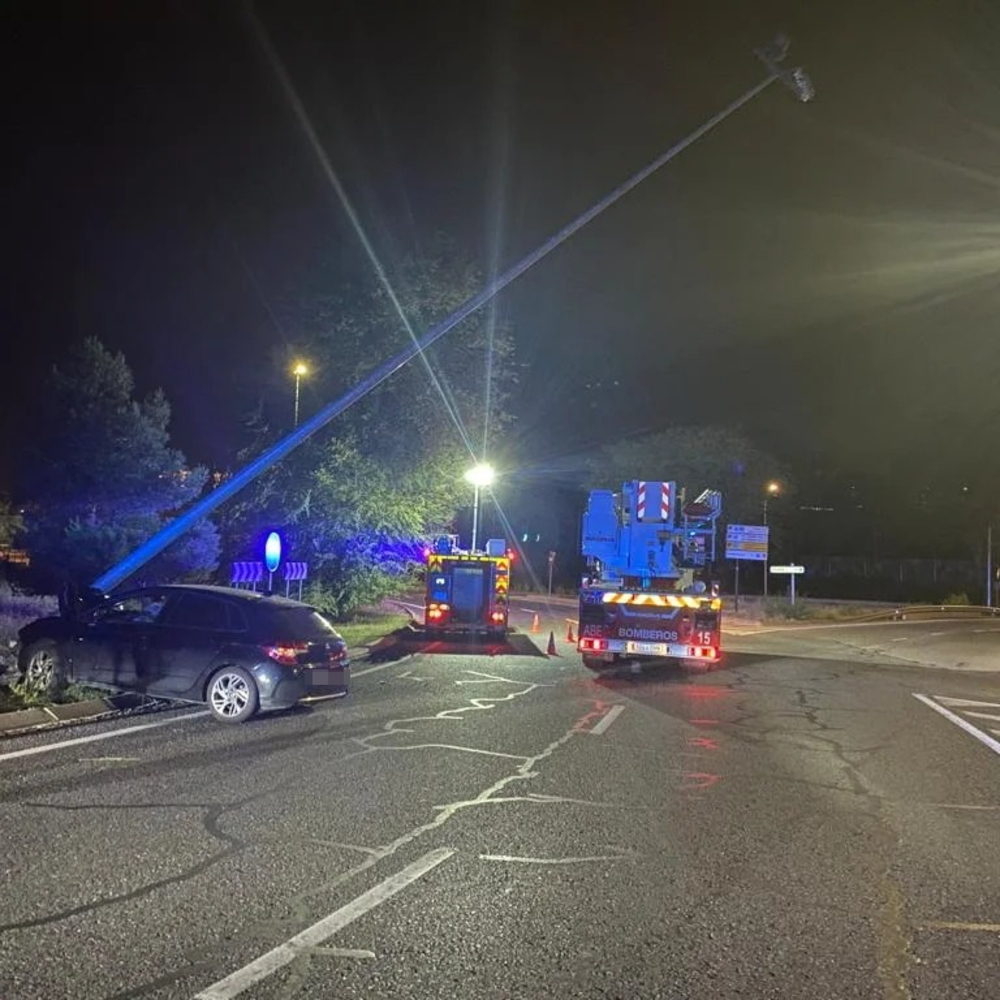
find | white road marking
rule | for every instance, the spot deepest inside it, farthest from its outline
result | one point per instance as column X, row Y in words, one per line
column 94, row 737
column 965, row 703
column 553, row 861
column 341, row 952
column 960, row 925
column 311, row 937
column 601, row 726
column 951, row 716
column 983, row 715
column 949, row 805
column 107, row 760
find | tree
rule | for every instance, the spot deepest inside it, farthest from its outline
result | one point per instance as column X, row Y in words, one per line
column 696, row 458
column 106, row 478
column 11, row 523
column 361, row 504
column 455, row 393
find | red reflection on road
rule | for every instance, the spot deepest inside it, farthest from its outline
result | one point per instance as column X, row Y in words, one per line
column 703, row 743
column 599, row 710
column 702, row 692
column 697, row 780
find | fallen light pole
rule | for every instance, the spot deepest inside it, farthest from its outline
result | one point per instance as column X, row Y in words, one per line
column 771, row 55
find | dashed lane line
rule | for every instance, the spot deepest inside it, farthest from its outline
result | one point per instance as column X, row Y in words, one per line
column 984, row 738
column 314, row 936
column 601, row 726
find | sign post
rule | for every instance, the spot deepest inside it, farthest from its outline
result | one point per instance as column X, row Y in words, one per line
column 745, row 541
column 792, row 571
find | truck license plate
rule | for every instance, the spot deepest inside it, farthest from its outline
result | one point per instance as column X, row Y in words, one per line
column 646, row 648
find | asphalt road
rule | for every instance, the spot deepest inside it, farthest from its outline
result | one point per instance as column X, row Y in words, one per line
column 796, row 823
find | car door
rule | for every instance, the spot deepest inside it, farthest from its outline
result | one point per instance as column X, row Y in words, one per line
column 194, row 628
column 110, row 647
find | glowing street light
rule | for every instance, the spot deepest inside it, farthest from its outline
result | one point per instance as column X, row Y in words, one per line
column 481, row 476
column 299, row 369
column 772, row 489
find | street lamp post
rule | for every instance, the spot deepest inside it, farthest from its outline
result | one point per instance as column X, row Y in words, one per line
column 770, row 55
column 480, row 476
column 298, row 371
column 771, row 490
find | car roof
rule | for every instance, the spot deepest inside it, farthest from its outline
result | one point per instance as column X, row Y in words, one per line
column 245, row 596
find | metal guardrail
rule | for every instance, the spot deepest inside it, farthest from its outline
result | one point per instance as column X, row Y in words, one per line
column 926, row 611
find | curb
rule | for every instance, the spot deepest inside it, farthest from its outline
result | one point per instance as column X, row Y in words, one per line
column 42, row 718
column 45, row 717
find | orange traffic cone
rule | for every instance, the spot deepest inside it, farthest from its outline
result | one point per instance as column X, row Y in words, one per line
column 569, row 633
column 535, row 627
column 551, row 651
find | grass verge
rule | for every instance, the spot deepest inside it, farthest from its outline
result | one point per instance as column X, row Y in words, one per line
column 18, row 695
column 367, row 627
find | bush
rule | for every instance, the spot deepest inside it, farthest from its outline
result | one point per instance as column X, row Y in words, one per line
column 953, row 599
column 16, row 610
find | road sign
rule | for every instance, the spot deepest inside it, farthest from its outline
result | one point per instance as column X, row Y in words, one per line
column 793, row 572
column 746, row 541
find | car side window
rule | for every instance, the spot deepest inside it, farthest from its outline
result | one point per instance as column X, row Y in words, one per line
column 200, row 611
column 133, row 608
column 237, row 620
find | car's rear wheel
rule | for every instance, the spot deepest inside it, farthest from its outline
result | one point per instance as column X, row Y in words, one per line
column 232, row 695
column 43, row 668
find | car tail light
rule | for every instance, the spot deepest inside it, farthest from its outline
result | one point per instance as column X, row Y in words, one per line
column 593, row 645
column 286, row 653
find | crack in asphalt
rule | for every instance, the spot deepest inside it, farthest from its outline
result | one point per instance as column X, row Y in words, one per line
column 892, row 935
column 195, row 963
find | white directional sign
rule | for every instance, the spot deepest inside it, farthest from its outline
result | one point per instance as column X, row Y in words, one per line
column 746, row 541
column 788, row 569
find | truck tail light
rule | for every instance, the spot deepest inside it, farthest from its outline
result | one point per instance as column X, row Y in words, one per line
column 592, row 645
column 497, row 616
column 437, row 612
column 703, row 652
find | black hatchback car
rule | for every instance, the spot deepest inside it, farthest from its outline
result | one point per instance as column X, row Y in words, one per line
column 236, row 650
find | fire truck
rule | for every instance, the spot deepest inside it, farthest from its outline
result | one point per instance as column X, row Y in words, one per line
column 467, row 591
column 645, row 594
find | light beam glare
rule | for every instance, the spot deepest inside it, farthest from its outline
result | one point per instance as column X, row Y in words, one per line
column 299, row 110
column 496, row 213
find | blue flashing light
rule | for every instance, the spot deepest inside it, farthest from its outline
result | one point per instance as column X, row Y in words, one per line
column 272, row 551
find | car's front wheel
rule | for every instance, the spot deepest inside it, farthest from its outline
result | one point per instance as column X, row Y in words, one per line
column 43, row 669
column 232, row 695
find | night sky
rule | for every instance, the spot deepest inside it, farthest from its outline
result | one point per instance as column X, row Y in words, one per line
column 822, row 276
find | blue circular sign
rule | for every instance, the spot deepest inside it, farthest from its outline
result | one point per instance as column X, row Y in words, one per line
column 272, row 551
